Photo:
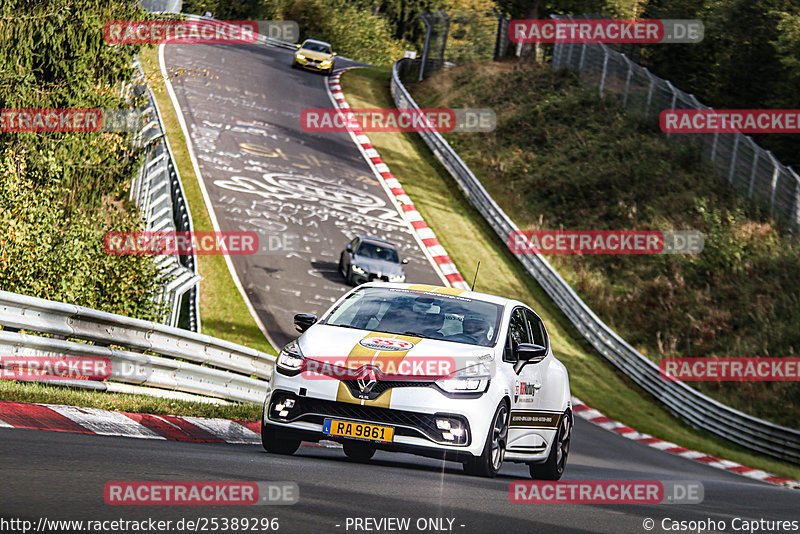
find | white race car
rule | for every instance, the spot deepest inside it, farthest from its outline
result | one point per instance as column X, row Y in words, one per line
column 435, row 371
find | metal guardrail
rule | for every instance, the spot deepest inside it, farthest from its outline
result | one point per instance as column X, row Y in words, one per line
column 686, row 403
column 164, row 357
column 158, row 192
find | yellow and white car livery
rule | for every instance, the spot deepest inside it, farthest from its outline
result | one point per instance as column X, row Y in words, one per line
column 435, row 371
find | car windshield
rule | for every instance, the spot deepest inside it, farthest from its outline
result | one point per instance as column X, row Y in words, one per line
column 377, row 252
column 420, row 313
column 317, row 47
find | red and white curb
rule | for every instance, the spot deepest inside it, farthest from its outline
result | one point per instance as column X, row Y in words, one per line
column 585, row 412
column 60, row 418
column 423, row 232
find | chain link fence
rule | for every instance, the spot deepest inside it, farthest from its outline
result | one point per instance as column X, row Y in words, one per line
column 461, row 36
column 750, row 169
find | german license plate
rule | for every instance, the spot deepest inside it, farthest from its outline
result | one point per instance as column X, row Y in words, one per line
column 349, row 429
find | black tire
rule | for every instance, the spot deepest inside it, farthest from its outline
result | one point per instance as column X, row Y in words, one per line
column 553, row 468
column 494, row 449
column 277, row 445
column 341, row 265
column 358, row 451
column 294, row 65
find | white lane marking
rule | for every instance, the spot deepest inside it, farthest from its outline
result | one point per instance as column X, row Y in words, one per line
column 104, row 422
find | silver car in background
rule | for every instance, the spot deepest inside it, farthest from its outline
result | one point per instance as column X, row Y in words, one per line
column 367, row 259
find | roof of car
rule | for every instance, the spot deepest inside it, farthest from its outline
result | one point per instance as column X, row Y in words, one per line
column 465, row 293
column 376, row 240
column 316, row 42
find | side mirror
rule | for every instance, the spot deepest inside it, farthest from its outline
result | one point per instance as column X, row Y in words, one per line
column 531, row 352
column 349, row 248
column 297, row 46
column 405, row 261
column 334, row 54
column 303, row 321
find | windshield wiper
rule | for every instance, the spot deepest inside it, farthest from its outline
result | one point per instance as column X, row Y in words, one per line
column 415, row 334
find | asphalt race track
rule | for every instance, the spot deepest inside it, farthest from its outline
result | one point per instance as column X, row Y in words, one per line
column 61, row 476
column 311, row 192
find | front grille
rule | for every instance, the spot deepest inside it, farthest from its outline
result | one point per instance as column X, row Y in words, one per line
column 373, row 276
column 382, row 386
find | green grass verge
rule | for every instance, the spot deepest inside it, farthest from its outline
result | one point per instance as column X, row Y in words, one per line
column 468, row 238
column 223, row 313
column 45, row 394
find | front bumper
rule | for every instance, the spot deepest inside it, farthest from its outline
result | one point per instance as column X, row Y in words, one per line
column 413, row 431
column 317, row 66
column 412, row 411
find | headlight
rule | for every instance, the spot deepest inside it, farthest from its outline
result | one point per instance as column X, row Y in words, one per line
column 473, row 379
column 324, row 61
column 290, row 359
column 299, row 56
column 357, row 269
column 398, row 278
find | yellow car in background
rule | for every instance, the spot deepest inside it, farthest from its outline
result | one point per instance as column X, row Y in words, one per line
column 314, row 55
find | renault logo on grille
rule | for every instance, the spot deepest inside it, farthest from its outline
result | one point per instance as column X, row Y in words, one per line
column 367, row 381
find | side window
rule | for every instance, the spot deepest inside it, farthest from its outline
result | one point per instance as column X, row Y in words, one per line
column 517, row 333
column 354, row 244
column 538, row 332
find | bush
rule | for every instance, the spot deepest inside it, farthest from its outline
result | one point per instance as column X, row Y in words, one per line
column 353, row 32
column 61, row 192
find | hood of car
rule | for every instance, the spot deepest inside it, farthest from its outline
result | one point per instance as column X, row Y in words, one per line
column 336, row 345
column 379, row 267
column 316, row 56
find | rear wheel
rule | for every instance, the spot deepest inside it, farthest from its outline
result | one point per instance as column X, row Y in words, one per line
column 358, row 451
column 494, row 450
column 553, row 468
column 272, row 442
